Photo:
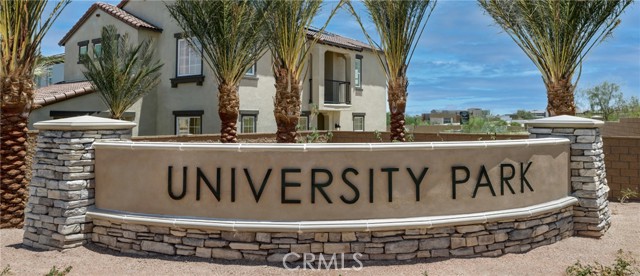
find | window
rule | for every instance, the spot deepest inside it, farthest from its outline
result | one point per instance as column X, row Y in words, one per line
column 97, row 49
column 446, row 120
column 303, row 122
column 248, row 121
column 253, row 70
column 83, row 49
column 358, row 121
column 97, row 46
column 188, row 122
column 358, row 72
column 189, row 60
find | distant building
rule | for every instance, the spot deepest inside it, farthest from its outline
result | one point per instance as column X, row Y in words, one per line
column 451, row 117
column 51, row 74
column 539, row 113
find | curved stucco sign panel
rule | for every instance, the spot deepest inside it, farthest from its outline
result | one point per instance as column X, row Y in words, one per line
column 315, row 182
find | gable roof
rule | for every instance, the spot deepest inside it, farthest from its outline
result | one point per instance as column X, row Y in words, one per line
column 332, row 39
column 60, row 92
column 326, row 38
column 114, row 11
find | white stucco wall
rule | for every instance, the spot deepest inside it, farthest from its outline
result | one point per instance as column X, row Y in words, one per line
column 89, row 102
column 91, row 29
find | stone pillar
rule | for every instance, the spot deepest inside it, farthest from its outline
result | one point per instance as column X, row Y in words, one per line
column 592, row 217
column 62, row 186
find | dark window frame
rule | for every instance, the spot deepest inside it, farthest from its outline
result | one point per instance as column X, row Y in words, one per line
column 306, row 114
column 353, row 120
column 186, row 113
column 96, row 41
column 360, row 58
column 198, row 79
column 249, row 113
column 255, row 72
column 84, row 43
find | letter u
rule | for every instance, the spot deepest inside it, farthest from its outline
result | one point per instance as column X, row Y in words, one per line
column 184, row 183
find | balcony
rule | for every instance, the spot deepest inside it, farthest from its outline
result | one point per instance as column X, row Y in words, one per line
column 337, row 92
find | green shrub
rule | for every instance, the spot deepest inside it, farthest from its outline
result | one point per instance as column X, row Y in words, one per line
column 6, row 271
column 55, row 272
column 627, row 193
column 624, row 264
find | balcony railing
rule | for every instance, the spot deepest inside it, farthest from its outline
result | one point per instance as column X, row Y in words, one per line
column 337, row 92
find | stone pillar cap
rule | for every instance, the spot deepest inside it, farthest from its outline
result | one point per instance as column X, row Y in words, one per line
column 565, row 121
column 85, row 122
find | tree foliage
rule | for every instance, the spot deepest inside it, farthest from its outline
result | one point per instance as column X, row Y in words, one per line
column 523, row 115
column 485, row 125
column 400, row 25
column 21, row 33
column 286, row 36
column 557, row 36
column 232, row 36
column 231, row 33
column 605, row 99
column 122, row 73
column 23, row 26
column 631, row 108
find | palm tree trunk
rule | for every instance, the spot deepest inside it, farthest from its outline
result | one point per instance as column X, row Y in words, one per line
column 397, row 105
column 13, row 149
column 228, row 108
column 560, row 98
column 286, row 106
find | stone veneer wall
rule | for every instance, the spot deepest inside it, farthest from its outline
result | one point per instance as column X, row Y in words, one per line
column 62, row 187
column 592, row 216
column 62, row 190
column 488, row 239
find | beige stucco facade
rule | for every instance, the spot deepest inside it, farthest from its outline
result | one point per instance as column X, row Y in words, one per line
column 329, row 182
column 155, row 112
column 93, row 104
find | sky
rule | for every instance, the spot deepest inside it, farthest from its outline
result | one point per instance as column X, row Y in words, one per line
column 463, row 59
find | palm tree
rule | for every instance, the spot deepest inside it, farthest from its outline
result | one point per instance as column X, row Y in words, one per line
column 399, row 25
column 41, row 68
column 120, row 72
column 232, row 39
column 21, row 32
column 557, row 35
column 289, row 46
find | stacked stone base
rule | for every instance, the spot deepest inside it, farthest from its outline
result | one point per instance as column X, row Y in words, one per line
column 62, row 187
column 592, row 216
column 489, row 239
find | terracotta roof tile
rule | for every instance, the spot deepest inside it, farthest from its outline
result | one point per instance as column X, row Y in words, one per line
column 338, row 40
column 116, row 12
column 60, row 92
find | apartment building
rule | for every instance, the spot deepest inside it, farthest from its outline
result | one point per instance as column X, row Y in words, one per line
column 344, row 83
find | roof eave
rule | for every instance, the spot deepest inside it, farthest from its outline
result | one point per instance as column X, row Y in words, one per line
column 90, row 11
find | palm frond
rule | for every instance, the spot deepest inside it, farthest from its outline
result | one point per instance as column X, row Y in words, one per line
column 122, row 73
column 286, row 32
column 230, row 33
column 556, row 35
column 399, row 24
column 21, row 33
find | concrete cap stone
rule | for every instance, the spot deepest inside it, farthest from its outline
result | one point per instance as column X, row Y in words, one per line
column 85, row 122
column 565, row 121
